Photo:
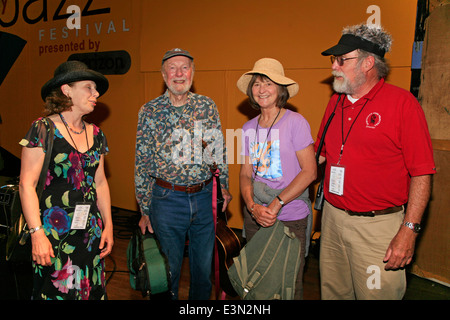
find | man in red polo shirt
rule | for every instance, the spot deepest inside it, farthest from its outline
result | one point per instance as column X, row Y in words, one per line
column 379, row 164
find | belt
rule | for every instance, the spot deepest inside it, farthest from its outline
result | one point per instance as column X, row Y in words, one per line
column 192, row 188
column 374, row 213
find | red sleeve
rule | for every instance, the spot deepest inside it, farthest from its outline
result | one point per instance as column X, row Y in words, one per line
column 416, row 140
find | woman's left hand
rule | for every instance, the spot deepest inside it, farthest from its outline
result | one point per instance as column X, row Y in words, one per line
column 264, row 216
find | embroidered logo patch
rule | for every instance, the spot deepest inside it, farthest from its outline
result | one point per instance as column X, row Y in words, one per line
column 373, row 120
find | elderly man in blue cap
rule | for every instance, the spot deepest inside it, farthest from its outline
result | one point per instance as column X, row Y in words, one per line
column 173, row 187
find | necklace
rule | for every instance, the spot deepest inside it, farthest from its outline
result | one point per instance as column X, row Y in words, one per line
column 84, row 156
column 258, row 160
column 67, row 126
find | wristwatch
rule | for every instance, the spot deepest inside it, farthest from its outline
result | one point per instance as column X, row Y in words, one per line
column 281, row 201
column 33, row 230
column 416, row 227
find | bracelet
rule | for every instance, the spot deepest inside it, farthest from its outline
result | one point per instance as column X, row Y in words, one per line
column 281, row 201
column 33, row 230
column 251, row 210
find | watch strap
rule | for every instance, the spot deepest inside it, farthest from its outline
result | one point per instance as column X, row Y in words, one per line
column 415, row 227
column 281, row 201
column 33, row 230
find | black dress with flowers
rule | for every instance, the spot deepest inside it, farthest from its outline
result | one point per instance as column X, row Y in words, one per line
column 77, row 272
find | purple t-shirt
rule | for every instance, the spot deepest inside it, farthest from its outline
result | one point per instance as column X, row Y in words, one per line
column 273, row 155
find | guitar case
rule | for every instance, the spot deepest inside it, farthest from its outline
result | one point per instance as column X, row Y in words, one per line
column 148, row 266
column 227, row 244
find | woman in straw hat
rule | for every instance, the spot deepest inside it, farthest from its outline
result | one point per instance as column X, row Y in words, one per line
column 71, row 226
column 278, row 150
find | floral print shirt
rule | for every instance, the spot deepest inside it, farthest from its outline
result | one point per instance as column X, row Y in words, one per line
column 169, row 144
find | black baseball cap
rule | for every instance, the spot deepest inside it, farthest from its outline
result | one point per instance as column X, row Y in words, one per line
column 350, row 42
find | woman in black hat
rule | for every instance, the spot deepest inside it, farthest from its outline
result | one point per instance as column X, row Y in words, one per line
column 70, row 225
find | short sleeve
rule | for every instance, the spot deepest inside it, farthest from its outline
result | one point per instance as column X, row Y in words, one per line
column 101, row 138
column 37, row 135
column 301, row 132
column 416, row 141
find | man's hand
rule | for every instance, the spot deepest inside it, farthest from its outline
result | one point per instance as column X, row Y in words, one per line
column 227, row 199
column 144, row 223
column 401, row 249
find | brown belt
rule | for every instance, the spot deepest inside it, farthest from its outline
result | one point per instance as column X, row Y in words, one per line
column 193, row 188
column 374, row 213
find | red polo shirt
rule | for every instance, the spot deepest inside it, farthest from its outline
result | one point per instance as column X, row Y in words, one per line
column 386, row 144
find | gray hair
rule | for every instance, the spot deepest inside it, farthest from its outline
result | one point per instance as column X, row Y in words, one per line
column 375, row 34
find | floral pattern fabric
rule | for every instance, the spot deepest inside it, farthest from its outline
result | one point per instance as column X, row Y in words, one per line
column 77, row 272
column 169, row 144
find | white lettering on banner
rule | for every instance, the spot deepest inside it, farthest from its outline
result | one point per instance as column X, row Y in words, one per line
column 97, row 27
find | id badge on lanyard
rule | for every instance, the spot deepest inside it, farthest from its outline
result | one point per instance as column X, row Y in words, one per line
column 337, row 175
column 80, row 216
column 337, row 171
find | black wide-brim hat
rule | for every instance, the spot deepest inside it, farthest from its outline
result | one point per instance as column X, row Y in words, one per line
column 72, row 71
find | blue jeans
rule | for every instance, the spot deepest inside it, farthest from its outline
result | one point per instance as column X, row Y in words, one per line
column 175, row 215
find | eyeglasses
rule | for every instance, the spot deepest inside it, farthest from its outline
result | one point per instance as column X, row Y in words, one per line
column 340, row 60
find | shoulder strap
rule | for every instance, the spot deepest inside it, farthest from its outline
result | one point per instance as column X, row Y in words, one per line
column 319, row 149
column 48, row 154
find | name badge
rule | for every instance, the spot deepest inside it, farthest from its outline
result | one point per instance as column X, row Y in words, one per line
column 80, row 216
column 337, row 174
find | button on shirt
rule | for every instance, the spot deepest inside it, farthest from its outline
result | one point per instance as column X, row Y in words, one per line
column 169, row 144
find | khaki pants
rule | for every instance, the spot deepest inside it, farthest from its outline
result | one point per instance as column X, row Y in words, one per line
column 352, row 249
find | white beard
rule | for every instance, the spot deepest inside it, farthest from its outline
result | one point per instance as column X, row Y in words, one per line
column 345, row 86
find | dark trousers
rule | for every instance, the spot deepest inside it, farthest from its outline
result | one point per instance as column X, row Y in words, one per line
column 175, row 215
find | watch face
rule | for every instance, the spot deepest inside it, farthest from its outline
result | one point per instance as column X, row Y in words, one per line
column 417, row 227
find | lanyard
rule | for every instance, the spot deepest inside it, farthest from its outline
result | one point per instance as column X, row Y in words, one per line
column 256, row 137
column 351, row 127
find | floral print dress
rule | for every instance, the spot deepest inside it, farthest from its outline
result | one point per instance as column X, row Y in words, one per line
column 77, row 272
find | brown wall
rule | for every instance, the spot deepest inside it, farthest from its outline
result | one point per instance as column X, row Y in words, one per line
column 433, row 249
column 226, row 38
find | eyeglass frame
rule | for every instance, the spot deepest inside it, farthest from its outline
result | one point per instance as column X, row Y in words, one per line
column 340, row 61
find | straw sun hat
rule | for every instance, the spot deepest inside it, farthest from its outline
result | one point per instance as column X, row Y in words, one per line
column 274, row 70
